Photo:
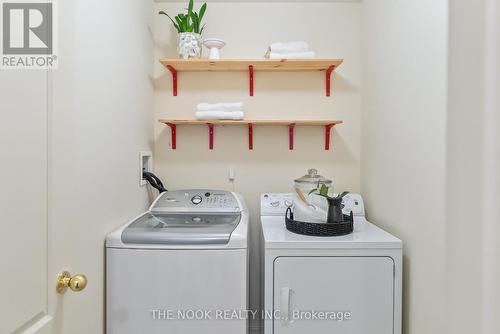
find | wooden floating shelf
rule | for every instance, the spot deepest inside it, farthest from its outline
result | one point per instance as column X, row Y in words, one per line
column 268, row 65
column 250, row 66
column 310, row 122
column 328, row 124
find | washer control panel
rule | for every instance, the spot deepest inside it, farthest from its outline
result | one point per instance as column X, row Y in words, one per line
column 196, row 199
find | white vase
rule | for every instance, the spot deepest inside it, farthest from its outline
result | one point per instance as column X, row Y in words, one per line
column 214, row 45
column 189, row 45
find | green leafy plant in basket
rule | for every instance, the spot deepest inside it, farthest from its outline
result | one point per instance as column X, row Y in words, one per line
column 190, row 21
column 334, row 203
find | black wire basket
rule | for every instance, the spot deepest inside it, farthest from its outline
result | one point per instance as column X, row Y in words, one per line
column 319, row 229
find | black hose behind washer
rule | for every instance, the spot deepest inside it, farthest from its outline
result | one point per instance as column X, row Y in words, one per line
column 154, row 181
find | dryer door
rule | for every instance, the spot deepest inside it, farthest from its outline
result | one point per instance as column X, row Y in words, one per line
column 320, row 295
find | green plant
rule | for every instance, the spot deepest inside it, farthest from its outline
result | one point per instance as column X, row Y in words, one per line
column 190, row 21
column 323, row 191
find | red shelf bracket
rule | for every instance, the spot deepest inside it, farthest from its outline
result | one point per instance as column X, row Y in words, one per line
column 173, row 130
column 174, row 79
column 290, row 135
column 250, row 136
column 328, row 128
column 250, row 76
column 210, row 136
column 329, row 79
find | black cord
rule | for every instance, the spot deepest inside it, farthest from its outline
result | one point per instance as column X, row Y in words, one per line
column 154, row 181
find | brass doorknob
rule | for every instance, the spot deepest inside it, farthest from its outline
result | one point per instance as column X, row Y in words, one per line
column 75, row 283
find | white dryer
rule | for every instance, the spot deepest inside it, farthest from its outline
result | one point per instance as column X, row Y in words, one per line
column 349, row 284
column 173, row 268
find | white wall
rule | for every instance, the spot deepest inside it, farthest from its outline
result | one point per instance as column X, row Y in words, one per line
column 101, row 117
column 403, row 141
column 465, row 157
column 333, row 30
column 473, row 157
column 491, row 172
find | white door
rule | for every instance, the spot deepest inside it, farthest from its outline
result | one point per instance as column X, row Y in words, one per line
column 29, row 302
column 324, row 295
column 35, row 246
column 23, row 201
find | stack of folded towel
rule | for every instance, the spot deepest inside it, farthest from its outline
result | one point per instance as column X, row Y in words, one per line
column 213, row 111
column 289, row 50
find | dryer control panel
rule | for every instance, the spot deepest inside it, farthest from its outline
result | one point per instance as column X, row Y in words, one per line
column 275, row 204
column 196, row 200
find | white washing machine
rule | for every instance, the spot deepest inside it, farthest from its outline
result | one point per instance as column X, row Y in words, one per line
column 349, row 284
column 173, row 268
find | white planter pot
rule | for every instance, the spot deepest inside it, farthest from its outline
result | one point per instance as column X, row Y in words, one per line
column 189, row 45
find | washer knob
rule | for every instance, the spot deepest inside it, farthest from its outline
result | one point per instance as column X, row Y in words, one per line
column 196, row 199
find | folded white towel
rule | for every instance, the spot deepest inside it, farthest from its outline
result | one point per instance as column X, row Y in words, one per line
column 229, row 106
column 219, row 114
column 292, row 55
column 288, row 47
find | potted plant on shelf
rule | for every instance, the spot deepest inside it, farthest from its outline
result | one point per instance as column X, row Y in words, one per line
column 334, row 204
column 189, row 26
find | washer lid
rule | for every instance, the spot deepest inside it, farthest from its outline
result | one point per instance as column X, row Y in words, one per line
column 181, row 229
